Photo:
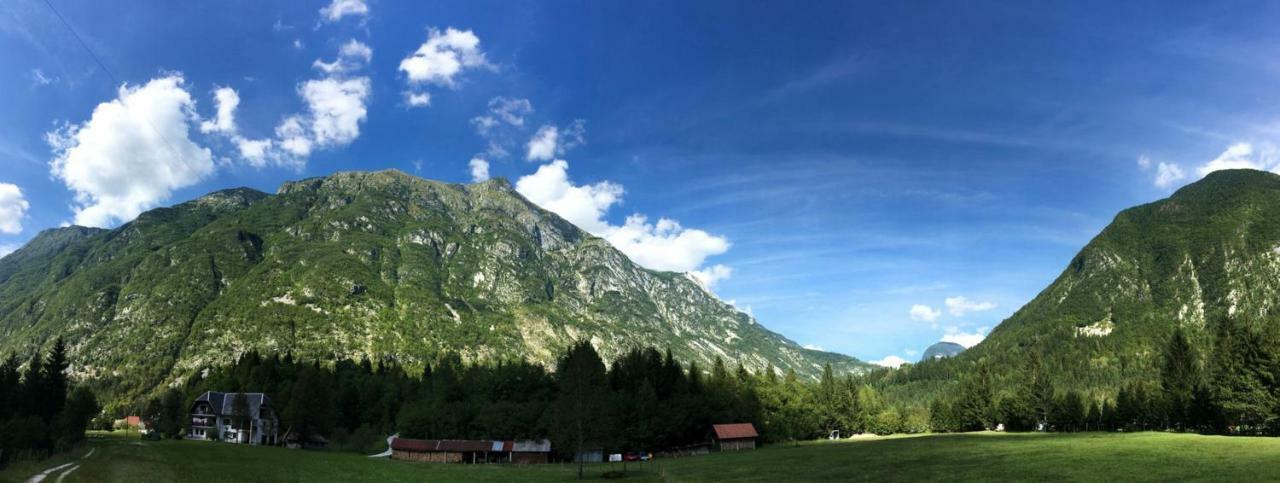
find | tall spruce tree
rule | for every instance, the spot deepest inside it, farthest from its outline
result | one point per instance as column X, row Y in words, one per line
column 1179, row 377
column 581, row 418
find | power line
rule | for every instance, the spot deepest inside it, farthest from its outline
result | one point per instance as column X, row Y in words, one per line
column 114, row 80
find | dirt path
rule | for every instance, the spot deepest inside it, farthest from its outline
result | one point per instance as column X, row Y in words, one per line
column 73, row 466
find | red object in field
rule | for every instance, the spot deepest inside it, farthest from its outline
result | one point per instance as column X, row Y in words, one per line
column 735, row 431
column 631, row 457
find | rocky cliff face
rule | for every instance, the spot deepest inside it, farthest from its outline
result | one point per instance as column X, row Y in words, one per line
column 1210, row 251
column 354, row 265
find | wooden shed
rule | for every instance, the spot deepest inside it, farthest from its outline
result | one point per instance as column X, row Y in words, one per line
column 734, row 437
column 470, row 451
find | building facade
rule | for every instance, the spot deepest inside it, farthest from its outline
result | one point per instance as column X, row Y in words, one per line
column 214, row 418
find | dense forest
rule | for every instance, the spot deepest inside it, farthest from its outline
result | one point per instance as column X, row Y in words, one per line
column 40, row 412
column 648, row 400
column 644, row 400
column 1231, row 388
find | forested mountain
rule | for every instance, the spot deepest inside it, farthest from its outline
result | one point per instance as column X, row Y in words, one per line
column 355, row 265
column 1207, row 255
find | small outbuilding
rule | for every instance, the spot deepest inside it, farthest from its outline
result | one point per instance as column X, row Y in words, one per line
column 735, row 437
column 470, row 451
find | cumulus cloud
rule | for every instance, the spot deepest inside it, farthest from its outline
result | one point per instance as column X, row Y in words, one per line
column 7, row 248
column 479, row 170
column 338, row 9
column 709, row 276
column 958, row 306
column 584, row 206
column 1144, row 162
column 890, row 361
column 227, row 100
column 337, row 107
column 1244, row 156
column 813, row 347
column 443, row 57
column 924, row 313
column 131, row 153
column 550, row 141
column 1167, row 174
column 503, row 111
column 13, row 208
column 966, row 339
column 417, row 99
column 664, row 245
column 352, row 56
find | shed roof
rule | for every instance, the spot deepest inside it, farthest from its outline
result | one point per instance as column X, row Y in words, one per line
column 463, row 445
column 735, row 431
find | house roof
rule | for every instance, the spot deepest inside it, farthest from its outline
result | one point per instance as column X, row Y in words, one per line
column 221, row 402
column 462, row 445
column 735, row 431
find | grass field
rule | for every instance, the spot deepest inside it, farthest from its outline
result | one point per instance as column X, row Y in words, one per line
column 965, row 457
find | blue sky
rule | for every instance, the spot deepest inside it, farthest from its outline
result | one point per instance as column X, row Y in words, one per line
column 865, row 177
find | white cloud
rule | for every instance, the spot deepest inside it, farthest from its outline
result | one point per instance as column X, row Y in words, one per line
column 443, row 57
column 924, row 313
column 958, row 306
column 255, row 151
column 890, row 361
column 293, row 137
column 337, row 107
column 38, row 77
column 966, row 339
column 1144, row 162
column 584, row 206
column 131, row 153
column 910, row 352
column 7, row 248
column 417, row 99
column 297, row 44
column 343, row 8
column 352, row 56
column 708, row 277
column 13, row 208
column 813, row 347
column 1244, row 156
column 1168, row 174
column 550, row 141
column 664, row 245
column 227, row 100
column 479, row 170
column 503, row 110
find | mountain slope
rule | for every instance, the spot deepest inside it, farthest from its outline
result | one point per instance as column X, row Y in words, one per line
column 1209, row 251
column 942, row 350
column 353, row 265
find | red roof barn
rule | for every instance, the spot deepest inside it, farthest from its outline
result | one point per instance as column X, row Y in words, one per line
column 737, row 436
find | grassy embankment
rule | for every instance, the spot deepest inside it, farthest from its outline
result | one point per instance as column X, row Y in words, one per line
column 965, row 457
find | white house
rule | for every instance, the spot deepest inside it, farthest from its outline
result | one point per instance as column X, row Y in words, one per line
column 213, row 418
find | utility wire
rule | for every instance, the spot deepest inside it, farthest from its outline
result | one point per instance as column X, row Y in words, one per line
column 115, row 81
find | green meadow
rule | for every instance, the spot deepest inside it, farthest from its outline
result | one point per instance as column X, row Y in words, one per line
column 964, row 457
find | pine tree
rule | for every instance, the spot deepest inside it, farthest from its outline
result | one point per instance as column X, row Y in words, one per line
column 581, row 417
column 1179, row 377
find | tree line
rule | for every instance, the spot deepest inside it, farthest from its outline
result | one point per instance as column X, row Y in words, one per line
column 645, row 400
column 40, row 413
column 1230, row 389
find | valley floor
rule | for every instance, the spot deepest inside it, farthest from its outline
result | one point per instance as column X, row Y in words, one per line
column 963, row 457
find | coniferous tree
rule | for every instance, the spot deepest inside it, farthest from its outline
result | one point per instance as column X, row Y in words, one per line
column 581, row 408
column 1179, row 377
